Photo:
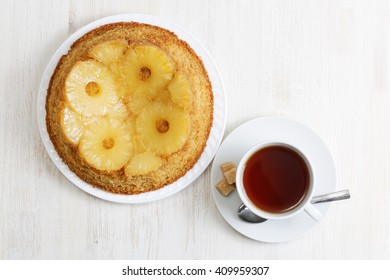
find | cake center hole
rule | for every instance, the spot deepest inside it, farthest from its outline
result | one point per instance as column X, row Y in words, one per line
column 92, row 89
column 108, row 143
column 144, row 73
column 162, row 126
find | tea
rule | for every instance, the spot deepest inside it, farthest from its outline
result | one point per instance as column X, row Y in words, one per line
column 276, row 179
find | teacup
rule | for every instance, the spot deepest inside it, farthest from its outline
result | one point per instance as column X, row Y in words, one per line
column 276, row 180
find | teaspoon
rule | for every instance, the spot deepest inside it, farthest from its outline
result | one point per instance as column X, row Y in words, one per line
column 247, row 215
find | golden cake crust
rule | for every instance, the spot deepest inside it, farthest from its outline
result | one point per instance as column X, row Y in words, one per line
column 201, row 113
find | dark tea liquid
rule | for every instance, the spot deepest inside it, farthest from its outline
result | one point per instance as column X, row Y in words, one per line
column 276, row 179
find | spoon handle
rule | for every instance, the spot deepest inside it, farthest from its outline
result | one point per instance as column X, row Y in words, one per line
column 340, row 195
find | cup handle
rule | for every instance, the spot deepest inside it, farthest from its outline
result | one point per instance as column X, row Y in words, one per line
column 313, row 212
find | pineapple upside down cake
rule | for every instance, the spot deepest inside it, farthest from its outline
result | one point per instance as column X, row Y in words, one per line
column 129, row 108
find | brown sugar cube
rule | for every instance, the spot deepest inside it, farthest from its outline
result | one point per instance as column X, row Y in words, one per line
column 230, row 175
column 224, row 188
column 227, row 166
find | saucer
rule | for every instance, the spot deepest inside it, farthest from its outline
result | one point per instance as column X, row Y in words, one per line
column 238, row 142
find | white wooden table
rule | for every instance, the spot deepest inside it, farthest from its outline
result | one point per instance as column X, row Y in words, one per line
column 326, row 63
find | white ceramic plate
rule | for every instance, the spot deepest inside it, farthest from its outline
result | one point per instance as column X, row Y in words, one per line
column 248, row 135
column 217, row 129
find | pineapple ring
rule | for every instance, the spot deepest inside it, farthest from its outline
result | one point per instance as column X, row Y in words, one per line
column 106, row 144
column 143, row 163
column 90, row 89
column 163, row 127
column 180, row 91
column 138, row 146
column 108, row 52
column 72, row 125
column 146, row 69
column 119, row 111
column 135, row 103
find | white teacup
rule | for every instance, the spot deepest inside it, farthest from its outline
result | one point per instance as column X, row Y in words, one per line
column 303, row 205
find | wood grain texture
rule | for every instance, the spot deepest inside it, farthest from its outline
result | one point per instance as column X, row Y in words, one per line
column 325, row 63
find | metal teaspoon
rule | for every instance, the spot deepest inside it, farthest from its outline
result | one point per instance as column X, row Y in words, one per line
column 247, row 215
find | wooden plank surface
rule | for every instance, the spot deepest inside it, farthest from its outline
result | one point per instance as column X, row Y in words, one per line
column 325, row 63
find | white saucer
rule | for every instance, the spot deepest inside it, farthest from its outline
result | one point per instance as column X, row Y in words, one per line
column 251, row 133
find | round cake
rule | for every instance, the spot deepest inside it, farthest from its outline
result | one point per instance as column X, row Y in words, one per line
column 129, row 108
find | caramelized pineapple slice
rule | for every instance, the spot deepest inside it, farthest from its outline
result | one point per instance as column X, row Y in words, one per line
column 107, row 144
column 146, row 69
column 180, row 91
column 72, row 125
column 143, row 163
column 163, row 127
column 108, row 52
column 90, row 89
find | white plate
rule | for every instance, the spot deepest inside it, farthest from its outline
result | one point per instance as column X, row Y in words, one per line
column 248, row 135
column 216, row 132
